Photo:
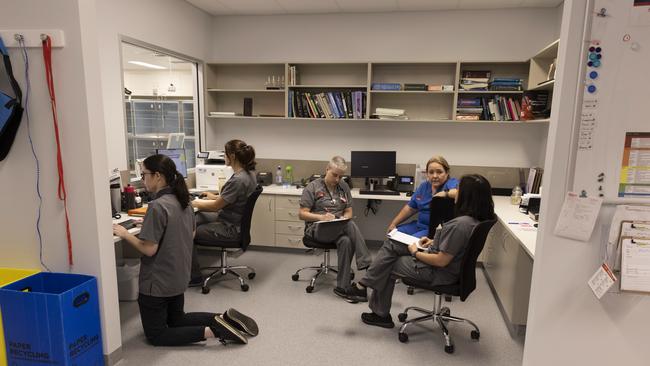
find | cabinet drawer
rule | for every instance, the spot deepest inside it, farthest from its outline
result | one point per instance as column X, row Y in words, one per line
column 287, row 202
column 286, row 214
column 290, row 227
column 289, row 241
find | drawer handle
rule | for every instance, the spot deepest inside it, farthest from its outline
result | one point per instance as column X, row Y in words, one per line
column 292, row 227
column 293, row 214
column 295, row 241
column 293, row 200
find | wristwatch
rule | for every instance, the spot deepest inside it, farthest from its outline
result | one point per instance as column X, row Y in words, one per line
column 414, row 254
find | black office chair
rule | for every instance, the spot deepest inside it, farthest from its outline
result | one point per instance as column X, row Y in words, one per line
column 228, row 246
column 325, row 267
column 442, row 209
column 465, row 285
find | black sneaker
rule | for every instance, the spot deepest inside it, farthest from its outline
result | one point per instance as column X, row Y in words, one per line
column 379, row 321
column 339, row 291
column 352, row 292
column 196, row 282
column 242, row 322
column 226, row 332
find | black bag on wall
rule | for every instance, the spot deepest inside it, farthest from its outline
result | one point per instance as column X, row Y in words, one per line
column 11, row 109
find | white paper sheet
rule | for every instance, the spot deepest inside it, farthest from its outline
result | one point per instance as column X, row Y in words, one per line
column 578, row 217
column 623, row 213
column 635, row 265
column 404, row 238
column 601, row 281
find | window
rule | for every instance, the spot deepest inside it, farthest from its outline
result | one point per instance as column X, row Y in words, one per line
column 160, row 97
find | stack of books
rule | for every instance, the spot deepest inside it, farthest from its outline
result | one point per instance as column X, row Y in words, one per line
column 538, row 100
column 293, row 76
column 390, row 113
column 415, row 87
column 474, row 80
column 506, row 84
column 386, row 86
column 469, row 109
column 221, row 114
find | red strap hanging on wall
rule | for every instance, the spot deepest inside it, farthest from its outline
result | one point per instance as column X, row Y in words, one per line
column 47, row 56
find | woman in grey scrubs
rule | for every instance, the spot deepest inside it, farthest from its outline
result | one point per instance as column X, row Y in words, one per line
column 166, row 240
column 219, row 216
column 325, row 199
column 439, row 264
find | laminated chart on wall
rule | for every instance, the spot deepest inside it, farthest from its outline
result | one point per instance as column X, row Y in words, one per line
column 635, row 168
column 614, row 100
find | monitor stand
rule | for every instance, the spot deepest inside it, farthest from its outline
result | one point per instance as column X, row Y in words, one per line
column 372, row 188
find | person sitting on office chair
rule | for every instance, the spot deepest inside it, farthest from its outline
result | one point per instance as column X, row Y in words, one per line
column 166, row 241
column 219, row 216
column 325, row 199
column 438, row 184
column 438, row 264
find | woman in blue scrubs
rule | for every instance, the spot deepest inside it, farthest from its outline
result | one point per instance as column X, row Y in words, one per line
column 438, row 184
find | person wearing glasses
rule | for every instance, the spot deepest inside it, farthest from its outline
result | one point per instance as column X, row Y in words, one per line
column 326, row 199
column 219, row 216
column 438, row 184
column 166, row 241
column 438, row 264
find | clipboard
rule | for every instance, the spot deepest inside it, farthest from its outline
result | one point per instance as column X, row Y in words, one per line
column 633, row 256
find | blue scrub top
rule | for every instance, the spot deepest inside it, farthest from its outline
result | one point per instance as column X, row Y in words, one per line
column 421, row 201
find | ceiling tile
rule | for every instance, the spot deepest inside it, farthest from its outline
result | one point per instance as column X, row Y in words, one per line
column 492, row 4
column 367, row 6
column 253, row 7
column 418, row 5
column 309, row 6
column 213, row 7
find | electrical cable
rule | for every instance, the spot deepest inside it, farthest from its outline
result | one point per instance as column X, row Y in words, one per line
column 23, row 48
column 47, row 56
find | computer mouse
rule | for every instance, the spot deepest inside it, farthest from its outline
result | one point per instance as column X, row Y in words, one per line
column 409, row 194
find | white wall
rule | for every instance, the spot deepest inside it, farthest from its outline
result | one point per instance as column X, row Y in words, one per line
column 567, row 325
column 400, row 37
column 142, row 82
column 171, row 24
column 82, row 132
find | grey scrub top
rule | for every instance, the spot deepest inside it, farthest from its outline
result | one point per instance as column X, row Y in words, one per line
column 319, row 200
column 453, row 239
column 235, row 192
column 167, row 272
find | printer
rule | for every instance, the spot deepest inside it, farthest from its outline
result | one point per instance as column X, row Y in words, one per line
column 211, row 170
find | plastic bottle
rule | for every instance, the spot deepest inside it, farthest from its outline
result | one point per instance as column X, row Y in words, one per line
column 515, row 197
column 278, row 175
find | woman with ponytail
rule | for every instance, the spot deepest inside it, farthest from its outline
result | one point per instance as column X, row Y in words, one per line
column 166, row 240
column 220, row 215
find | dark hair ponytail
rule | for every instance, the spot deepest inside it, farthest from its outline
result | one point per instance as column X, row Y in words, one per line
column 245, row 154
column 166, row 167
column 475, row 197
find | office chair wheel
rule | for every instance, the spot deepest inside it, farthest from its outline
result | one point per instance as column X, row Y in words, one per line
column 251, row 275
column 205, row 290
column 294, row 277
column 449, row 349
column 475, row 335
column 309, row 289
column 244, row 287
column 403, row 337
column 445, row 311
column 448, row 298
column 351, row 276
column 401, row 317
column 410, row 290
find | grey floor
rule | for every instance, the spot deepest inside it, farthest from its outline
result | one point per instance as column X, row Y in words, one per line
column 297, row 328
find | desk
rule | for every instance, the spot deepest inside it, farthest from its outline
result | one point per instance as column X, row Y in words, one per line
column 508, row 262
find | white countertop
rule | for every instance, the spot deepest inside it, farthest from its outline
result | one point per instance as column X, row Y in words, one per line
column 517, row 223
column 293, row 191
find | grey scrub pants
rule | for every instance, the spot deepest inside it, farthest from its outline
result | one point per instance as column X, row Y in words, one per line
column 350, row 243
column 392, row 260
column 209, row 228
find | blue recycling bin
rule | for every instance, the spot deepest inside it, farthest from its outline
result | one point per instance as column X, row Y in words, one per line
column 52, row 319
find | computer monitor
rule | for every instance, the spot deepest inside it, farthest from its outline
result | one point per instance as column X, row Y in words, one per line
column 178, row 156
column 373, row 164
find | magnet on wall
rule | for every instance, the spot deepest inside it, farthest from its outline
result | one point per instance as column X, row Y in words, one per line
column 592, row 49
column 598, row 49
column 596, row 63
column 593, row 57
column 590, row 64
column 593, row 74
column 591, row 89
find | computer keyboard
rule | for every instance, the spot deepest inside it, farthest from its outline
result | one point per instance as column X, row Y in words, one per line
column 127, row 224
column 383, row 192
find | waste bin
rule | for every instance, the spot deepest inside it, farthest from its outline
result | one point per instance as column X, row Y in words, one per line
column 127, row 279
column 52, row 319
column 7, row 276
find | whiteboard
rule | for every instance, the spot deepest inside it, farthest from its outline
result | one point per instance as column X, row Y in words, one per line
column 621, row 101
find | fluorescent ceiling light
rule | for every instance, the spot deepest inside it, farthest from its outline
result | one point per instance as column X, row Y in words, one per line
column 151, row 66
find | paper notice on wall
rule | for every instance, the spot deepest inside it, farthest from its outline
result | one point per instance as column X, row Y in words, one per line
column 634, row 180
column 601, row 281
column 635, row 265
column 578, row 217
column 587, row 124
